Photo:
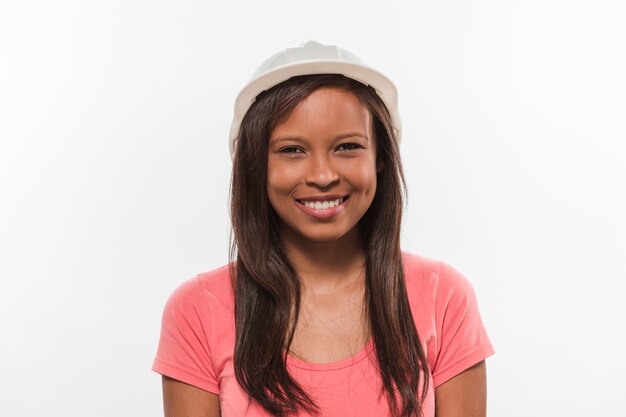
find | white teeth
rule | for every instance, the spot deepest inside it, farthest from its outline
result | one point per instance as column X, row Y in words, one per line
column 322, row 205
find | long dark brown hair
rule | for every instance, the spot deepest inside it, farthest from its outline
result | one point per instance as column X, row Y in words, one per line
column 267, row 288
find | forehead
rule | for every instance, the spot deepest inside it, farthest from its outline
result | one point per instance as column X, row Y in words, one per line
column 326, row 111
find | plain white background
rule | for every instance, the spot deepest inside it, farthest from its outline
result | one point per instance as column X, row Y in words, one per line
column 114, row 173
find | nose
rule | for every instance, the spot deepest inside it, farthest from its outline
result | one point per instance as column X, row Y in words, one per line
column 321, row 172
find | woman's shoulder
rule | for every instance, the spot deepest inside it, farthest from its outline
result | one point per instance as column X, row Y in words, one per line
column 417, row 263
column 446, row 313
column 216, row 280
column 422, row 271
column 210, row 286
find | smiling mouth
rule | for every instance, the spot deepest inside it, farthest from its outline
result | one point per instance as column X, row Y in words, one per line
column 323, row 204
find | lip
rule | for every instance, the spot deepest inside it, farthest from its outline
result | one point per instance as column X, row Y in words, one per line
column 329, row 213
column 323, row 197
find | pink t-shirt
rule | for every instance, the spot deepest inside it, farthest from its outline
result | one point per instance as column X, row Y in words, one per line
column 198, row 338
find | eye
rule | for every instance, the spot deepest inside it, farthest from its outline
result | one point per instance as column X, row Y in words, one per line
column 348, row 146
column 290, row 150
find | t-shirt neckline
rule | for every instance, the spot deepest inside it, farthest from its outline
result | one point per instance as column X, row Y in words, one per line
column 344, row 363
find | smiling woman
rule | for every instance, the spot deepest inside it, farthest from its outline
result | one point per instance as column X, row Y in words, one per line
column 319, row 311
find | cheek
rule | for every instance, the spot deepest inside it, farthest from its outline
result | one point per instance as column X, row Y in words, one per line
column 279, row 181
column 365, row 176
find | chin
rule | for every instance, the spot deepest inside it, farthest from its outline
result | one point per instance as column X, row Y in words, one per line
column 323, row 238
column 328, row 237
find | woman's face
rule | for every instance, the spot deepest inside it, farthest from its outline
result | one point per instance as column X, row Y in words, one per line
column 321, row 173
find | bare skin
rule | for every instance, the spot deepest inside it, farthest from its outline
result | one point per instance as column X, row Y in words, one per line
column 184, row 400
column 464, row 395
column 332, row 325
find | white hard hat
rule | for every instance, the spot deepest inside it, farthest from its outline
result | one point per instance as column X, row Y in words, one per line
column 312, row 58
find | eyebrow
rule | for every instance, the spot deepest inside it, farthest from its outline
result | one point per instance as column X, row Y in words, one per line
column 302, row 139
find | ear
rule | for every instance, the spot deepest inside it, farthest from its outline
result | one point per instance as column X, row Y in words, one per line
column 379, row 166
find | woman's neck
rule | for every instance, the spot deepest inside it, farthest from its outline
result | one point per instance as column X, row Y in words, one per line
column 326, row 266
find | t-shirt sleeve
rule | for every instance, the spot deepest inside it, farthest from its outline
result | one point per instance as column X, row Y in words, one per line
column 462, row 340
column 183, row 351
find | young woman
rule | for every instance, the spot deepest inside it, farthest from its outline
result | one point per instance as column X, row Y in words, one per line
column 319, row 311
